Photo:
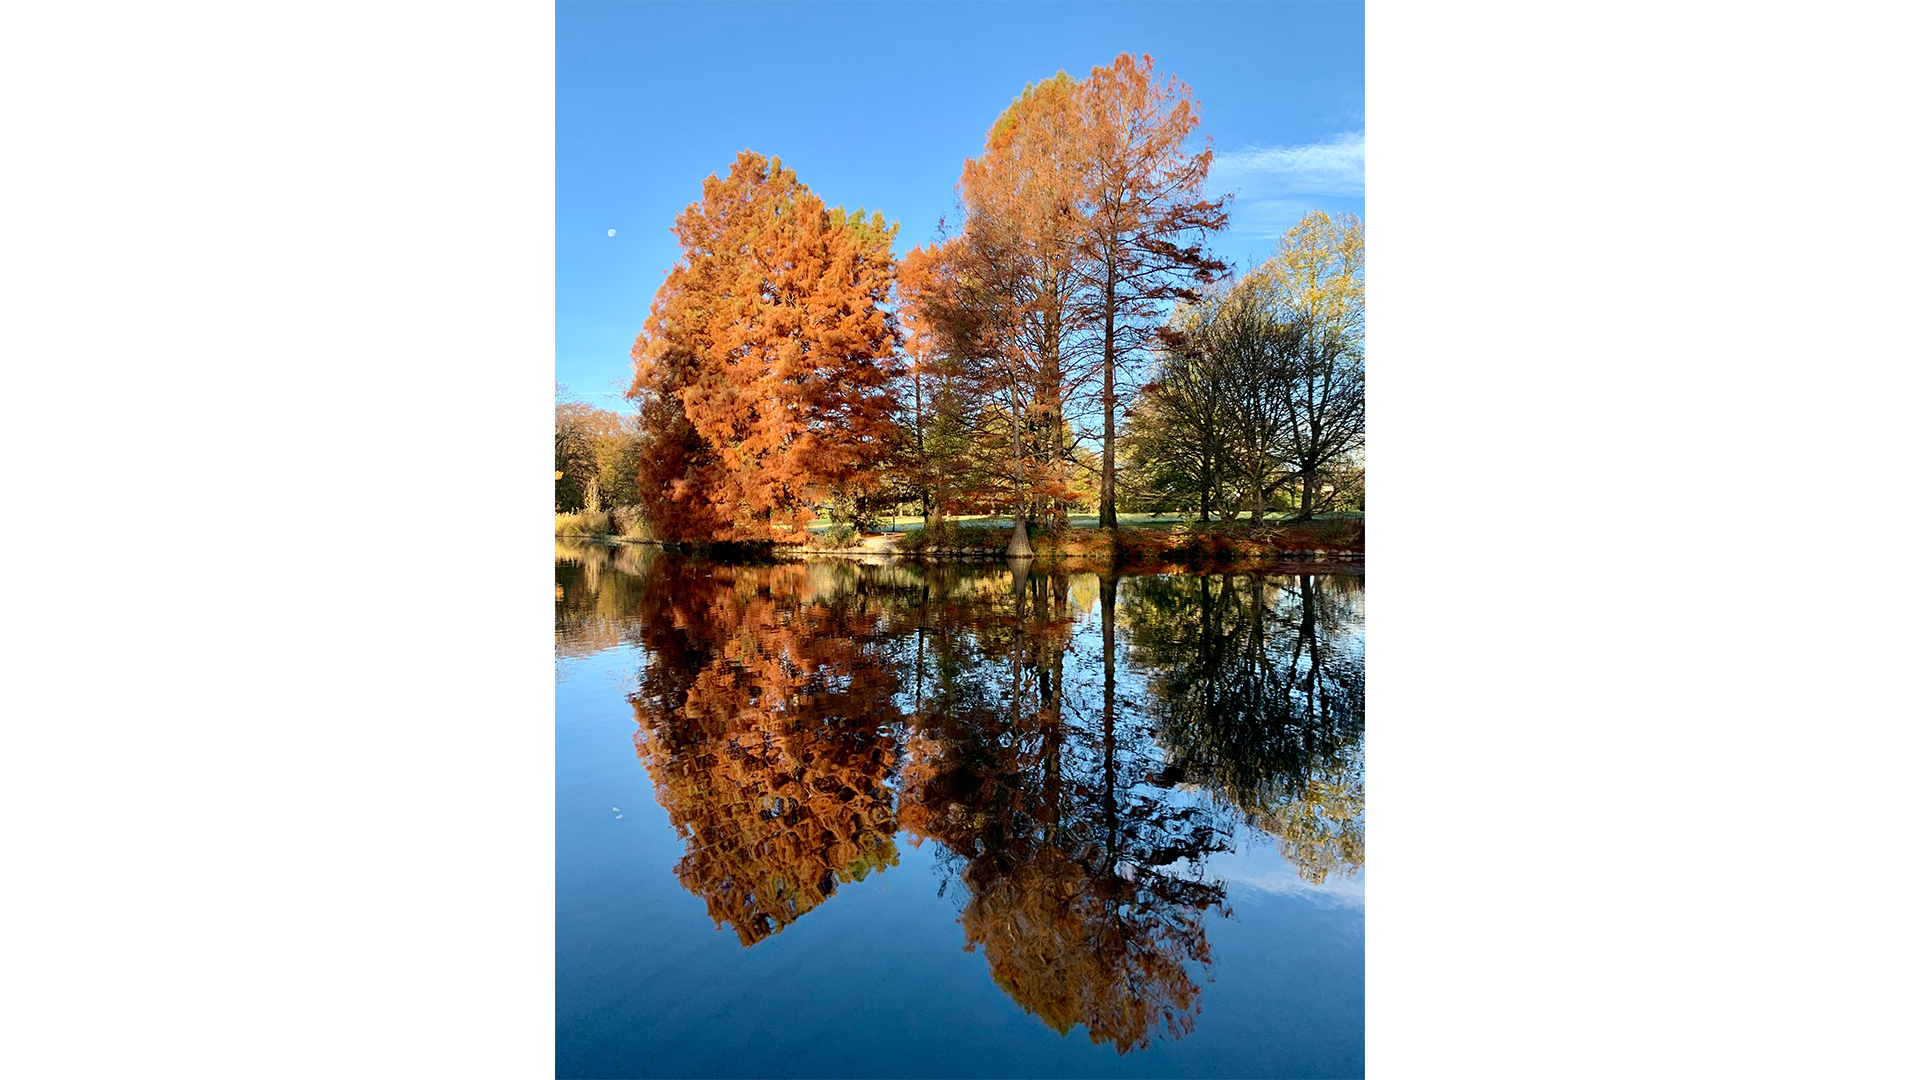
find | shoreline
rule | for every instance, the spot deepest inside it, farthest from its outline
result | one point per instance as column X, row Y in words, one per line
column 1329, row 546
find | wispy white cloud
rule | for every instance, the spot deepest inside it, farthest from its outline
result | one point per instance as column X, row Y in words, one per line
column 1337, row 167
column 1272, row 186
column 1258, row 222
column 1257, row 864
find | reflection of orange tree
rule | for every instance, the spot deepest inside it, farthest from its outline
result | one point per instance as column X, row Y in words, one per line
column 765, row 718
column 1080, row 945
column 1068, row 865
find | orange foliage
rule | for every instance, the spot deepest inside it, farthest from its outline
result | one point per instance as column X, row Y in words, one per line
column 1017, row 261
column 765, row 723
column 1084, row 213
column 1146, row 211
column 764, row 367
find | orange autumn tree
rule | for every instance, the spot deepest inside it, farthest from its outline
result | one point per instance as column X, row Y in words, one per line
column 1024, row 198
column 763, row 373
column 956, row 448
column 1085, row 218
column 1146, row 215
column 1012, row 327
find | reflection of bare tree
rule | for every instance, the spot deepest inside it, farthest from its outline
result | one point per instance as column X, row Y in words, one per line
column 1080, row 881
column 765, row 722
column 1260, row 688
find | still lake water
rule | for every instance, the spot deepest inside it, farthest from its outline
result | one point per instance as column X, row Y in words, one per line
column 835, row 819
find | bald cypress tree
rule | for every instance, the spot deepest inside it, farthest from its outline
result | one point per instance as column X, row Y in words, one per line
column 764, row 371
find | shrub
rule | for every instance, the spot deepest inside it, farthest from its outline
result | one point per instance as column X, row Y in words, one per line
column 838, row 537
column 583, row 523
column 630, row 523
column 962, row 537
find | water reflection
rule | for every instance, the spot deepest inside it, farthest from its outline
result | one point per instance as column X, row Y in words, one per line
column 1075, row 746
column 1259, row 686
column 766, row 721
column 1081, row 887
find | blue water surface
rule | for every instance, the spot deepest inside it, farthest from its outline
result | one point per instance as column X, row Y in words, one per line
column 1158, row 875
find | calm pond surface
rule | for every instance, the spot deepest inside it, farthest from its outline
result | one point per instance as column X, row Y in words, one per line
column 841, row 820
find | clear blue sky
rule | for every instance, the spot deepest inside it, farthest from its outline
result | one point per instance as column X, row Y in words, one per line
column 876, row 105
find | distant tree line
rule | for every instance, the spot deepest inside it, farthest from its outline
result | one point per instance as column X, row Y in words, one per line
column 596, row 456
column 1070, row 344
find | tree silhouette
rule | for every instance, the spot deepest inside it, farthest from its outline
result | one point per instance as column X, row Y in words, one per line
column 1317, row 281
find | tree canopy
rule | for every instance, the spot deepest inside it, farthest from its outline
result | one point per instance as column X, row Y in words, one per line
column 1260, row 388
column 764, row 371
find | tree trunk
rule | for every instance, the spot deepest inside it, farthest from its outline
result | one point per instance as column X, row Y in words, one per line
column 1019, row 633
column 1259, row 504
column 1307, row 492
column 1058, row 518
column 1019, row 547
column 1109, row 517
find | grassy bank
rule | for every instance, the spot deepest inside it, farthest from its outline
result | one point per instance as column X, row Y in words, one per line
column 909, row 523
column 1191, row 545
column 619, row 523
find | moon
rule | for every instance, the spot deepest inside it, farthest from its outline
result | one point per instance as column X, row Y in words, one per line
column 609, row 232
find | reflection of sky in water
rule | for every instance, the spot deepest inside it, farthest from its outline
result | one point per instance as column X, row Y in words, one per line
column 1256, row 863
column 617, row 666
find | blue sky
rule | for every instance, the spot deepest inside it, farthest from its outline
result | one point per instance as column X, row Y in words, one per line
column 876, row 105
